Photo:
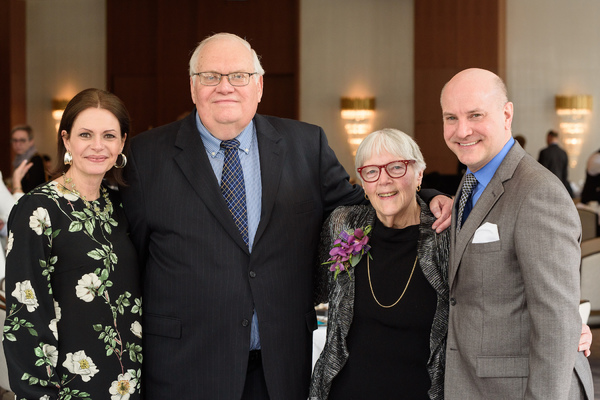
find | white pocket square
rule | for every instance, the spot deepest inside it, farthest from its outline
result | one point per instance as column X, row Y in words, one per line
column 486, row 233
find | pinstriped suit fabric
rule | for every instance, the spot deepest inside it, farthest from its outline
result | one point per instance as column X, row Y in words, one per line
column 201, row 283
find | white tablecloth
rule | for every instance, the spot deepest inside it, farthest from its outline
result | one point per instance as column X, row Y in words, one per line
column 319, row 337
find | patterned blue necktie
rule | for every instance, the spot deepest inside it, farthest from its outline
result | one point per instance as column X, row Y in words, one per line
column 232, row 186
column 467, row 189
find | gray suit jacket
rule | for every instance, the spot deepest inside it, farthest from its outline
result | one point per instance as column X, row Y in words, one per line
column 514, row 324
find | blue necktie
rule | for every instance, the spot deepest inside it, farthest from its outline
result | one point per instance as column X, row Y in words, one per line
column 467, row 189
column 232, row 186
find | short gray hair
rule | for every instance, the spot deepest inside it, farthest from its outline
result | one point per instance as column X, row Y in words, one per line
column 392, row 141
column 196, row 54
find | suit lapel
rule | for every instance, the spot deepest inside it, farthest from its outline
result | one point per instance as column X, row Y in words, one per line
column 489, row 197
column 194, row 164
column 272, row 149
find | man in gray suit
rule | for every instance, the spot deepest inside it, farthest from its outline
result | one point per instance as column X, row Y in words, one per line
column 514, row 263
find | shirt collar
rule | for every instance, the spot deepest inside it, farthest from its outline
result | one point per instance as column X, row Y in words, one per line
column 485, row 174
column 213, row 145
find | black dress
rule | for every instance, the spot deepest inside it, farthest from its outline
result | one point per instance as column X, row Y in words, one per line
column 73, row 299
column 389, row 347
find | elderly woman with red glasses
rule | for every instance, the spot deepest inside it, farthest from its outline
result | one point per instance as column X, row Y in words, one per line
column 388, row 286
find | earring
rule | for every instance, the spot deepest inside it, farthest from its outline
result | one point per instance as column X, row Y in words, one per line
column 123, row 161
column 366, row 196
column 419, row 188
column 68, row 158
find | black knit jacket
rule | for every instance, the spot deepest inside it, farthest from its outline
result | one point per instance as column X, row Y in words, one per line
column 433, row 251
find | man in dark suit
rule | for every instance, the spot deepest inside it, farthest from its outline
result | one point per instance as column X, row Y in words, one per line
column 24, row 147
column 514, row 259
column 556, row 160
column 228, row 304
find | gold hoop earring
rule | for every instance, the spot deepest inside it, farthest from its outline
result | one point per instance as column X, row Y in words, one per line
column 68, row 158
column 366, row 196
column 419, row 188
column 123, row 161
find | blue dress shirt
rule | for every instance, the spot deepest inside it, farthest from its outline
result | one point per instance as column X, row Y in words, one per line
column 485, row 174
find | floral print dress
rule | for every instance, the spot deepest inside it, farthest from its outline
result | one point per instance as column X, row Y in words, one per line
column 73, row 315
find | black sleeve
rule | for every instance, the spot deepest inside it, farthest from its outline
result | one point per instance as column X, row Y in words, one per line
column 35, row 176
column 428, row 194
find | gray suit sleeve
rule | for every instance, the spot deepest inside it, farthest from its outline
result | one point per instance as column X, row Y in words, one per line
column 547, row 235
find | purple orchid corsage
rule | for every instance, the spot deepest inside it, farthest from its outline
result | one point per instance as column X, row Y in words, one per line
column 348, row 249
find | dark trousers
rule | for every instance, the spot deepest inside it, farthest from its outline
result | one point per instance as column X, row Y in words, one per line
column 256, row 386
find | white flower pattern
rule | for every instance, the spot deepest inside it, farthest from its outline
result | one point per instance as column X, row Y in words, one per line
column 54, row 321
column 51, row 353
column 9, row 243
column 80, row 364
column 87, row 287
column 123, row 387
column 61, row 249
column 136, row 329
column 25, row 294
column 39, row 220
column 64, row 192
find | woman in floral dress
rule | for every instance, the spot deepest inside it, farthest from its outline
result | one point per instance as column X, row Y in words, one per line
column 73, row 329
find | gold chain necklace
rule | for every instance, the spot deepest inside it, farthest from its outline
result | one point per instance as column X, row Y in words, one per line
column 93, row 207
column 405, row 287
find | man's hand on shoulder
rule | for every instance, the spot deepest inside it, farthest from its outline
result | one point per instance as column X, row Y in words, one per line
column 441, row 207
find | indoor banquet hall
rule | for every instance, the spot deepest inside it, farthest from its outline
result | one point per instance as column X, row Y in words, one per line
column 351, row 67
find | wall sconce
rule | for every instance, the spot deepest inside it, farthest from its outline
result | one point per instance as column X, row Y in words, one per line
column 357, row 113
column 572, row 112
column 58, row 107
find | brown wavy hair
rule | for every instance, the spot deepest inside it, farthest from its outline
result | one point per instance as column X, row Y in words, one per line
column 93, row 98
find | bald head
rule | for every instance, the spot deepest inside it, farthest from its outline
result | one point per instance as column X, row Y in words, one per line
column 477, row 116
column 477, row 77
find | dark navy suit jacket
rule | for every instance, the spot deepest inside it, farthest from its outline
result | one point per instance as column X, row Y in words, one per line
column 201, row 283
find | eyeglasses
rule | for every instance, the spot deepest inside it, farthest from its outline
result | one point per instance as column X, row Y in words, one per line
column 23, row 140
column 395, row 169
column 234, row 78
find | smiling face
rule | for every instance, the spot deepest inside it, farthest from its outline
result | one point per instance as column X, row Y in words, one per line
column 394, row 200
column 95, row 141
column 477, row 117
column 226, row 110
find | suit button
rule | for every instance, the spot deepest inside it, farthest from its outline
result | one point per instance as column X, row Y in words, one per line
column 452, row 301
column 252, row 274
column 245, row 322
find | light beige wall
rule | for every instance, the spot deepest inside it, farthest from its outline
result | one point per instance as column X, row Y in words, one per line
column 356, row 48
column 552, row 48
column 348, row 48
column 66, row 53
column 353, row 47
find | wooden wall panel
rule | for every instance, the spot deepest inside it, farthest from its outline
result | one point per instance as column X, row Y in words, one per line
column 13, row 108
column 450, row 36
column 149, row 42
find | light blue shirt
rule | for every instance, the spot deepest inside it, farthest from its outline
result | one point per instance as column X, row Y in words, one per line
column 485, row 174
column 250, row 161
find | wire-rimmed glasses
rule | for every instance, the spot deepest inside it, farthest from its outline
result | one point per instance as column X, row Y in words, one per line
column 234, row 78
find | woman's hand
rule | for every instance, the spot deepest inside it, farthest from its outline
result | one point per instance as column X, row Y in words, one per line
column 18, row 175
column 585, row 340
